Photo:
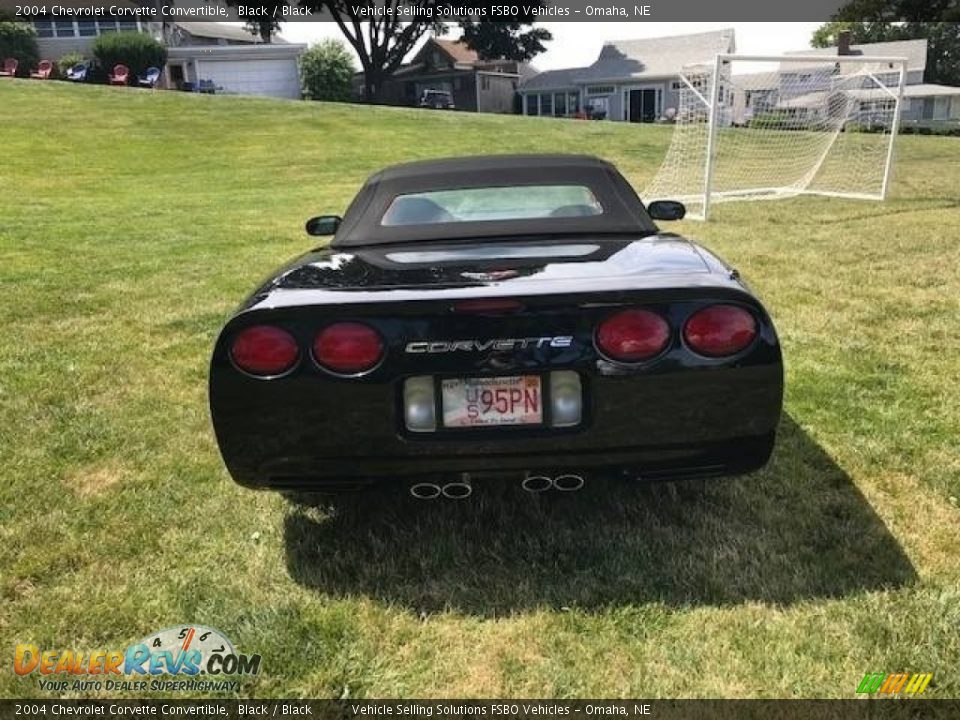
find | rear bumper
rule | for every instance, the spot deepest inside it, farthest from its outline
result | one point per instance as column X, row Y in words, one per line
column 735, row 457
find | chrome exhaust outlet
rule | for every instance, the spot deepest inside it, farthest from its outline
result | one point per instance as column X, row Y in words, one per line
column 568, row 482
column 425, row 490
column 459, row 489
column 536, row 483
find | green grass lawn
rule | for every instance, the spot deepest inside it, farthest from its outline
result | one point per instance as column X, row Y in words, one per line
column 131, row 223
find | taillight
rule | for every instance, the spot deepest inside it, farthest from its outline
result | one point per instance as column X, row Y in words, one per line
column 720, row 330
column 348, row 348
column 633, row 335
column 264, row 350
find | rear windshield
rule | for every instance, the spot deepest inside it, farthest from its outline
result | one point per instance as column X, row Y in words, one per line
column 479, row 204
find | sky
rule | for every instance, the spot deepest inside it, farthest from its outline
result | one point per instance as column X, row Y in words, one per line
column 576, row 44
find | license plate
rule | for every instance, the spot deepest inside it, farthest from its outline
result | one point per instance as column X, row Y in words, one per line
column 478, row 402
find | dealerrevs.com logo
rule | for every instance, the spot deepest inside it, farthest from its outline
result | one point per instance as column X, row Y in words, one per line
column 201, row 658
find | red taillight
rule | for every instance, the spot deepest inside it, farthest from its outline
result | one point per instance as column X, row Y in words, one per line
column 264, row 350
column 348, row 348
column 720, row 330
column 633, row 335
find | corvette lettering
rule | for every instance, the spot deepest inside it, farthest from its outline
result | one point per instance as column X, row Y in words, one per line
column 446, row 346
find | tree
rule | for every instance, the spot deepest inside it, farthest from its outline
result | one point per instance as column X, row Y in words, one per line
column 505, row 39
column 257, row 25
column 382, row 41
column 19, row 40
column 138, row 51
column 943, row 38
column 326, row 72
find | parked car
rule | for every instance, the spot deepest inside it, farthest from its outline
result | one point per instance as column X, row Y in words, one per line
column 437, row 100
column 503, row 316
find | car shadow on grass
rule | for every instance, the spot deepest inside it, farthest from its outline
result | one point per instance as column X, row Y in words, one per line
column 797, row 530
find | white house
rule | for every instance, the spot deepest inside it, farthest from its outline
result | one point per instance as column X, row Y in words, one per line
column 631, row 80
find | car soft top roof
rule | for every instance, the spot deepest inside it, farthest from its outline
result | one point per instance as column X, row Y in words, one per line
column 623, row 213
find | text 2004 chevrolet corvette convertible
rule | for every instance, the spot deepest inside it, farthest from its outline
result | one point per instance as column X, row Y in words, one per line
column 496, row 316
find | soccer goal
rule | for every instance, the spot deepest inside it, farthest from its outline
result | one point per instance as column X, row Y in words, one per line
column 766, row 127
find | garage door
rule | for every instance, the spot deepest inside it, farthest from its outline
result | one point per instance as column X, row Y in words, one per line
column 277, row 78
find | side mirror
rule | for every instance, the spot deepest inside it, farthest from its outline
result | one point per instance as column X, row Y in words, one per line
column 323, row 225
column 666, row 210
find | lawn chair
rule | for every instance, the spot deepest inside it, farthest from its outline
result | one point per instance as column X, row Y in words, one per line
column 43, row 70
column 119, row 75
column 149, row 78
column 9, row 67
column 78, row 73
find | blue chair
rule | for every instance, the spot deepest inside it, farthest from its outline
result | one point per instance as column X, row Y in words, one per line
column 149, row 78
column 78, row 73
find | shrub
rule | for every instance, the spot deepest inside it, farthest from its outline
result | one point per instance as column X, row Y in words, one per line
column 326, row 72
column 135, row 50
column 19, row 40
column 68, row 61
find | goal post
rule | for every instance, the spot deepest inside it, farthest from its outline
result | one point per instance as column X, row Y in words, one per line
column 762, row 127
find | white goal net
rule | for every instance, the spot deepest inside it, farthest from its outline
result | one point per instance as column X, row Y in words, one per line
column 753, row 128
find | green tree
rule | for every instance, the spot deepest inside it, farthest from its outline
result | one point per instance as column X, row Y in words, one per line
column 138, row 51
column 257, row 25
column 19, row 40
column 508, row 40
column 326, row 72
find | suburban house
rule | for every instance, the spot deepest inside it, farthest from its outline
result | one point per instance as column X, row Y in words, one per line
column 923, row 105
column 638, row 81
column 631, row 80
column 475, row 84
column 225, row 57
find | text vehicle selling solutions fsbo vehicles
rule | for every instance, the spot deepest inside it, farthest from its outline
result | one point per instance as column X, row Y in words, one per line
column 496, row 316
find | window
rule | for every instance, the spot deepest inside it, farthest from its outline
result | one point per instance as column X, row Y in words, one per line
column 106, row 27
column 127, row 25
column 484, row 204
column 546, row 104
column 600, row 90
column 533, row 104
column 484, row 82
column 955, row 108
column 941, row 108
column 44, row 28
column 63, row 29
column 677, row 85
column 87, row 28
column 573, row 103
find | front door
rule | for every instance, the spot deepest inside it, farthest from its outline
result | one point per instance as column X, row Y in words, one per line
column 642, row 105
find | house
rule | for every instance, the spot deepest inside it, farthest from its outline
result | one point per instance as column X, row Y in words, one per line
column 923, row 105
column 631, row 80
column 232, row 59
column 476, row 84
column 223, row 56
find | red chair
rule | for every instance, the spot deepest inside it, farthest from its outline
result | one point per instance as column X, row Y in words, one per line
column 9, row 67
column 120, row 75
column 43, row 70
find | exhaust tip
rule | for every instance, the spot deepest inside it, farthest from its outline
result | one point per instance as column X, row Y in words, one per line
column 425, row 491
column 568, row 482
column 459, row 489
column 536, row 483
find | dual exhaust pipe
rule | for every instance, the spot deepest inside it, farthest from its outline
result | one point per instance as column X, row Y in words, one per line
column 567, row 482
column 462, row 488
column 456, row 490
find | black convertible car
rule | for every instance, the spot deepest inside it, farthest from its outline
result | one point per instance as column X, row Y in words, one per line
column 503, row 316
